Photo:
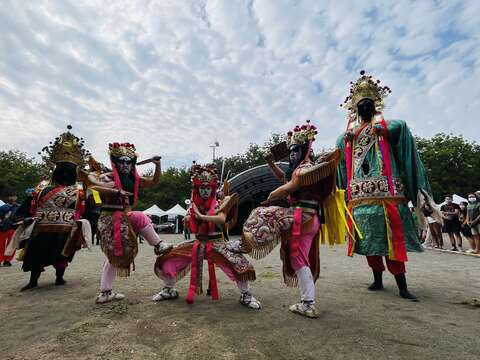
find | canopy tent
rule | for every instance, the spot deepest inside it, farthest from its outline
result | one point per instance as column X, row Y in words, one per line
column 176, row 210
column 154, row 210
column 456, row 199
column 1, row 203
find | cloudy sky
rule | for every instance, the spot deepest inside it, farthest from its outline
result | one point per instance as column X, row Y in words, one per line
column 172, row 76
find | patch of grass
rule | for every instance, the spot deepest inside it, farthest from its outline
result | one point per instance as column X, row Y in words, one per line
column 269, row 275
column 119, row 308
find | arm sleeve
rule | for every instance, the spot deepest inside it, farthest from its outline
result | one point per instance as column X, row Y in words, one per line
column 406, row 155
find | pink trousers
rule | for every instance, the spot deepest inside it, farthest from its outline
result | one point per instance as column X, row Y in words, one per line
column 301, row 259
column 173, row 266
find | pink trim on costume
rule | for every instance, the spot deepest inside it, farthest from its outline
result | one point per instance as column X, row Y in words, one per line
column 387, row 165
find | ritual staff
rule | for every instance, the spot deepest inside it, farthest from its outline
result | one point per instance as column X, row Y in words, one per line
column 207, row 221
column 118, row 226
column 307, row 185
column 53, row 228
column 381, row 171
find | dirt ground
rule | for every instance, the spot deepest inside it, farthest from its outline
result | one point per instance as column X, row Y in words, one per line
column 64, row 323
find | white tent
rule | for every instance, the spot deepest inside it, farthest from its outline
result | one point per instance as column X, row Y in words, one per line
column 456, row 199
column 155, row 211
column 1, row 203
column 177, row 210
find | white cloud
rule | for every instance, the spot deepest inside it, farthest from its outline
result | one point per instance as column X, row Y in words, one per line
column 172, row 76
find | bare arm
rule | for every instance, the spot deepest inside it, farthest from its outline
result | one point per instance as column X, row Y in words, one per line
column 277, row 172
column 105, row 190
column 218, row 219
column 153, row 181
column 95, row 181
column 283, row 191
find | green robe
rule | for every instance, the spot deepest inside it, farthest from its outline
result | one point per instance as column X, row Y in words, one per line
column 367, row 184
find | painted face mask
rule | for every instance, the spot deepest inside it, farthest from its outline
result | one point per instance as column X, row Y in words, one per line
column 124, row 165
column 472, row 199
column 295, row 155
column 462, row 207
column 448, row 201
column 205, row 192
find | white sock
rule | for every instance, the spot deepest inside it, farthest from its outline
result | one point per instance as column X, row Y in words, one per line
column 169, row 283
column 243, row 286
column 306, row 284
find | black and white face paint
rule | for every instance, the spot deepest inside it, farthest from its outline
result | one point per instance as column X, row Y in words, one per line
column 472, row 199
column 205, row 191
column 448, row 200
column 124, row 165
column 295, row 155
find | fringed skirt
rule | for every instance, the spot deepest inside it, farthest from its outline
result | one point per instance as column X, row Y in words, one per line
column 177, row 263
column 121, row 254
column 266, row 227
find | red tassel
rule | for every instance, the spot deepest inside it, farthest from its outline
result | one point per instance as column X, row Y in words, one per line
column 398, row 237
column 211, row 272
column 296, row 232
column 193, row 274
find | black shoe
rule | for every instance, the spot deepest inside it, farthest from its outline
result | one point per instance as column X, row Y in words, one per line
column 402, row 287
column 33, row 283
column 29, row 286
column 60, row 281
column 377, row 282
column 7, row 263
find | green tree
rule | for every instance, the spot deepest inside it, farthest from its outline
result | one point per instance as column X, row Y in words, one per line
column 254, row 156
column 18, row 172
column 173, row 189
column 452, row 164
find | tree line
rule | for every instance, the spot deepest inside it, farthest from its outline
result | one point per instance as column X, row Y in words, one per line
column 452, row 164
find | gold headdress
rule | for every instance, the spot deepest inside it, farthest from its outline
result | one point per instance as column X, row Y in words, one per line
column 203, row 174
column 122, row 149
column 66, row 148
column 302, row 134
column 366, row 88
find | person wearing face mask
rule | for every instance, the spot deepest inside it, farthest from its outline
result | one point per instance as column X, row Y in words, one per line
column 434, row 226
column 464, row 227
column 451, row 224
column 473, row 220
column 53, row 228
column 119, row 225
column 381, row 172
column 307, row 185
column 207, row 219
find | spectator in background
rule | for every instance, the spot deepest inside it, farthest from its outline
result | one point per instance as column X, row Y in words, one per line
column 473, row 220
column 434, row 226
column 451, row 224
column 186, row 229
column 7, row 228
column 464, row 227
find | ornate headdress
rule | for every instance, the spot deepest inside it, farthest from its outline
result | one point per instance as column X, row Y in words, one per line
column 366, row 87
column 122, row 149
column 302, row 134
column 66, row 148
column 203, row 174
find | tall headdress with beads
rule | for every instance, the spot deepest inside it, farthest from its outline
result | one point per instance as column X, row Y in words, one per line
column 204, row 174
column 117, row 150
column 66, row 148
column 366, row 87
column 302, row 134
